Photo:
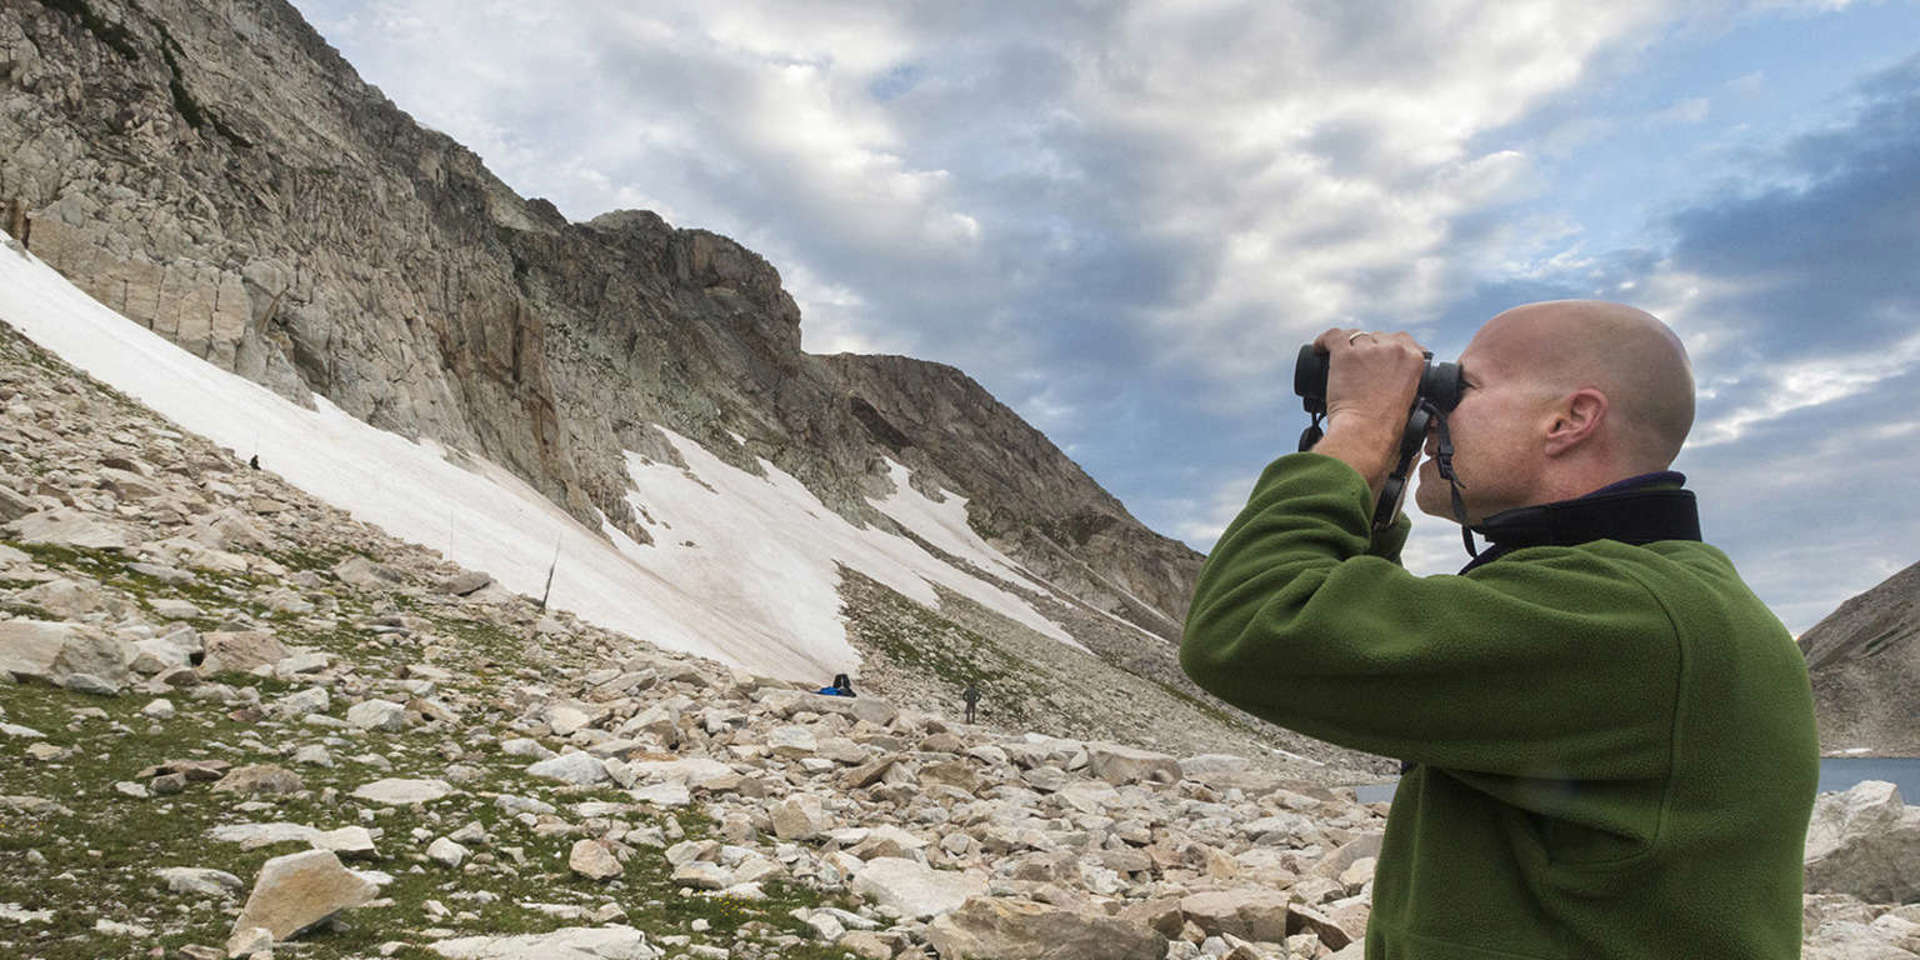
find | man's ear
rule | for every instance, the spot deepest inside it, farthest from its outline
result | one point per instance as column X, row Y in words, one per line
column 1576, row 421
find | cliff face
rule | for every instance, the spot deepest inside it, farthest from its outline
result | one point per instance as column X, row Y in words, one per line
column 221, row 175
column 1864, row 659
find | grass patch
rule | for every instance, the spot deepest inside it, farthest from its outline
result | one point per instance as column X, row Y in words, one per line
column 97, row 861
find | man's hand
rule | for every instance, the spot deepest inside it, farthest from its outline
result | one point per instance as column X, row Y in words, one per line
column 1372, row 379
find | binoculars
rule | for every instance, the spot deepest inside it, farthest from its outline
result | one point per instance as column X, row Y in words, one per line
column 1440, row 386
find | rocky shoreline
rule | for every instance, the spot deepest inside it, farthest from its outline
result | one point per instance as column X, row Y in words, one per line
column 235, row 722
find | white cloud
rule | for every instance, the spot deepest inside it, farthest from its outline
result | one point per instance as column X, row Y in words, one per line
column 1791, row 387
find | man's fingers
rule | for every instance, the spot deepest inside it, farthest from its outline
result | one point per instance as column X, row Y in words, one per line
column 1333, row 339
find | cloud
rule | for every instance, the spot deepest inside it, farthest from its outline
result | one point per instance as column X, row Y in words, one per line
column 1122, row 218
column 1798, row 302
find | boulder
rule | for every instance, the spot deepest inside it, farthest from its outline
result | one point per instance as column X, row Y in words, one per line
column 349, row 842
column 614, row 942
column 1008, row 929
column 1876, row 860
column 260, row 778
column 303, row 702
column 1118, row 765
column 378, row 715
column 201, row 882
column 67, row 527
column 66, row 598
column 240, row 651
column 910, row 889
column 1870, row 806
column 581, row 769
column 1247, row 914
column 299, row 890
column 463, row 583
column 800, row 817
column 399, row 791
column 592, row 859
column 446, row 853
column 364, row 573
column 52, row 652
column 180, row 648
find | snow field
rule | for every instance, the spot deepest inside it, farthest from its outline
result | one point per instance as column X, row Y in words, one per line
column 756, row 589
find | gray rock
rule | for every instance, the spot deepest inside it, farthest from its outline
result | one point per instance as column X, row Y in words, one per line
column 364, row 573
column 349, row 842
column 201, row 881
column 910, row 889
column 703, row 875
column 800, row 817
column 378, row 715
column 663, row 794
column 1869, row 806
column 1247, row 914
column 463, row 583
column 51, row 652
column 303, row 702
column 260, row 778
column 67, row 527
column 174, row 608
column 299, row 890
column 1118, row 764
column 400, row 791
column 447, row 853
column 613, row 942
column 90, row 684
column 592, row 859
column 240, row 651
column 251, row 836
column 525, row 747
column 1008, row 929
column 1880, row 865
column 576, row 768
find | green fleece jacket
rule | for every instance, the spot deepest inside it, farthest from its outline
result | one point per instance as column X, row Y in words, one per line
column 1614, row 744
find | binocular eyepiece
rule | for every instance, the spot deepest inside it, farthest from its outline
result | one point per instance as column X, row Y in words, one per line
column 1440, row 385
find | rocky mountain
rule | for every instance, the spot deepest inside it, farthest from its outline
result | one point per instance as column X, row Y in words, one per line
column 1864, row 659
column 237, row 722
column 220, row 174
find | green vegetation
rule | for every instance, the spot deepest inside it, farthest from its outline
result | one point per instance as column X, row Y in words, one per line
column 95, row 859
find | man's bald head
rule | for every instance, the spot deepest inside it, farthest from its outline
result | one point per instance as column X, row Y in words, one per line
column 1625, row 353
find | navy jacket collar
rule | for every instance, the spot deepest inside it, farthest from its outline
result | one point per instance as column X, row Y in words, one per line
column 1643, row 509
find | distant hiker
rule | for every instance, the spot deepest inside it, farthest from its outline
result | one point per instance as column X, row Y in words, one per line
column 842, row 687
column 972, row 696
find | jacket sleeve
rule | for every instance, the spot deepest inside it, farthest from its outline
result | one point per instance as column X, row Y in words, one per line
column 1558, row 665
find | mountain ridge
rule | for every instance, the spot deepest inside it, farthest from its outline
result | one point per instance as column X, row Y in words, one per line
column 1864, row 658
column 255, row 201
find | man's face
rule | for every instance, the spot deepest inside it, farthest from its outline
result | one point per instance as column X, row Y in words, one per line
column 1496, row 429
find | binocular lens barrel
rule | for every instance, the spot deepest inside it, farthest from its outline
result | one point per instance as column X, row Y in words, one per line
column 1440, row 384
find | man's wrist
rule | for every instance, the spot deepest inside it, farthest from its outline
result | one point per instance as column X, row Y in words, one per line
column 1366, row 447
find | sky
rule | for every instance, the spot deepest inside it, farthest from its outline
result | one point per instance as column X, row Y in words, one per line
column 1123, row 218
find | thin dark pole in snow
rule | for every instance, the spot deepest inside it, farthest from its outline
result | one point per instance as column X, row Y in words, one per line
column 544, row 594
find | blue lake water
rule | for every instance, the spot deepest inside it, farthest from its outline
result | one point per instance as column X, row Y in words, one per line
column 1836, row 773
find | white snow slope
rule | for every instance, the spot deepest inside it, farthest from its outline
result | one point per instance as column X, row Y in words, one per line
column 743, row 568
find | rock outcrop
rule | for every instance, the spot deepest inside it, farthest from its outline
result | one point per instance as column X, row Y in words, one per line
column 1864, row 659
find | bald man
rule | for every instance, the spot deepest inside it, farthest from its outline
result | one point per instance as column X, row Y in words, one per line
column 1608, row 740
